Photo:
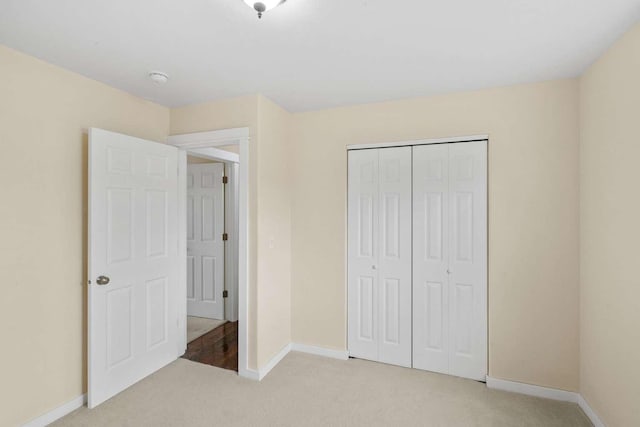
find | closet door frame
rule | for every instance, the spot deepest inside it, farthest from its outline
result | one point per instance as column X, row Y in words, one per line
column 411, row 143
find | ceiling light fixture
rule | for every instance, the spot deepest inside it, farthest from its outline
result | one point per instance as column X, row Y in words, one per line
column 262, row 6
column 158, row 77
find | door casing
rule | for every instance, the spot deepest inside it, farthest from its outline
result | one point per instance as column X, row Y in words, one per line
column 205, row 143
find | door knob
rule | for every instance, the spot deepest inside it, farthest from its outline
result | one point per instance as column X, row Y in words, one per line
column 373, row 267
column 448, row 271
column 103, row 280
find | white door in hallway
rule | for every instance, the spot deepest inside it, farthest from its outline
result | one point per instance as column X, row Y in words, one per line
column 205, row 247
column 133, row 261
column 379, row 255
column 450, row 258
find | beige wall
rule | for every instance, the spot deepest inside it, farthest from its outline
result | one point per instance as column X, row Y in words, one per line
column 193, row 160
column 609, row 232
column 44, row 114
column 274, row 231
column 533, row 212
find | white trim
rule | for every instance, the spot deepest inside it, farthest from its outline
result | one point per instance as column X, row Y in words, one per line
column 590, row 413
column 231, row 214
column 547, row 393
column 419, row 142
column 215, row 138
column 236, row 136
column 249, row 374
column 182, row 252
column 59, row 412
column 243, row 257
column 262, row 372
column 321, row 351
column 215, row 154
column 532, row 390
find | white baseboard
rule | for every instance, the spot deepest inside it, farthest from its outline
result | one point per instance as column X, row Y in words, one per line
column 589, row 412
column 532, row 390
column 321, row 351
column 262, row 372
column 249, row 374
column 548, row 393
column 57, row 413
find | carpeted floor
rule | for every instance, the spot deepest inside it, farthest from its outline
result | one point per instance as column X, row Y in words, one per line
column 306, row 390
column 198, row 326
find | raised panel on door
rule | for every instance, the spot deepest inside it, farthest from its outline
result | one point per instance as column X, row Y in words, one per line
column 431, row 257
column 394, row 263
column 362, row 286
column 205, row 211
column 132, row 241
column 468, row 259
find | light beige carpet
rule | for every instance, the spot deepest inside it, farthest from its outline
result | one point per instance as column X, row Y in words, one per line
column 305, row 390
column 198, row 326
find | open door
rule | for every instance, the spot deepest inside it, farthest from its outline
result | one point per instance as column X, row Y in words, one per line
column 133, row 261
column 205, row 240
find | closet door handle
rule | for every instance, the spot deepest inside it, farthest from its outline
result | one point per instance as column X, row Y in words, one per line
column 373, row 267
column 448, row 271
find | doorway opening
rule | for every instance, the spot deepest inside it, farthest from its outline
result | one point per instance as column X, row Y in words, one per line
column 213, row 188
column 212, row 286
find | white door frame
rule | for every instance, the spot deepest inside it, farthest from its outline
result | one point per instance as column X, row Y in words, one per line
column 446, row 140
column 203, row 144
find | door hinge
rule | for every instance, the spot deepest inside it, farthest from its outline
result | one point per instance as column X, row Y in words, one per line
column 225, row 237
column 225, row 294
column 225, row 179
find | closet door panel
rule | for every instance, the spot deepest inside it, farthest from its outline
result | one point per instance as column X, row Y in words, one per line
column 395, row 255
column 431, row 257
column 363, row 231
column 468, row 259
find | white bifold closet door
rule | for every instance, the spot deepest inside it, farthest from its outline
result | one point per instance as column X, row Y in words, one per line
column 379, row 255
column 450, row 258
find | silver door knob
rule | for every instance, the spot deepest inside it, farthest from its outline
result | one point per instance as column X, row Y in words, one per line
column 373, row 267
column 448, row 271
column 103, row 280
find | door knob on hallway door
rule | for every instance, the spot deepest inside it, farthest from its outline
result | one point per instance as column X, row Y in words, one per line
column 103, row 280
column 373, row 267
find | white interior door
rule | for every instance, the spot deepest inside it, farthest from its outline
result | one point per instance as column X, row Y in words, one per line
column 394, row 258
column 363, row 231
column 468, row 259
column 133, row 261
column 205, row 247
column 450, row 258
column 379, row 261
column 431, row 257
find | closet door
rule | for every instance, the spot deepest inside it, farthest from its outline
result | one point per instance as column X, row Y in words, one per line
column 468, row 259
column 379, row 255
column 450, row 259
column 431, row 257
column 363, row 254
column 395, row 256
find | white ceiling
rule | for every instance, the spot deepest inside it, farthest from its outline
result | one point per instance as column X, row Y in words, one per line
column 312, row 54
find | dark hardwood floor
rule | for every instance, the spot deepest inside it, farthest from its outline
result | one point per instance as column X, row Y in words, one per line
column 216, row 348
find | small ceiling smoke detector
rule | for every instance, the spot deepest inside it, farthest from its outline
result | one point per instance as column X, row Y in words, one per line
column 158, row 77
column 262, row 6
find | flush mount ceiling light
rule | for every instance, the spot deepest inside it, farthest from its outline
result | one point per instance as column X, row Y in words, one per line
column 158, row 77
column 262, row 6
